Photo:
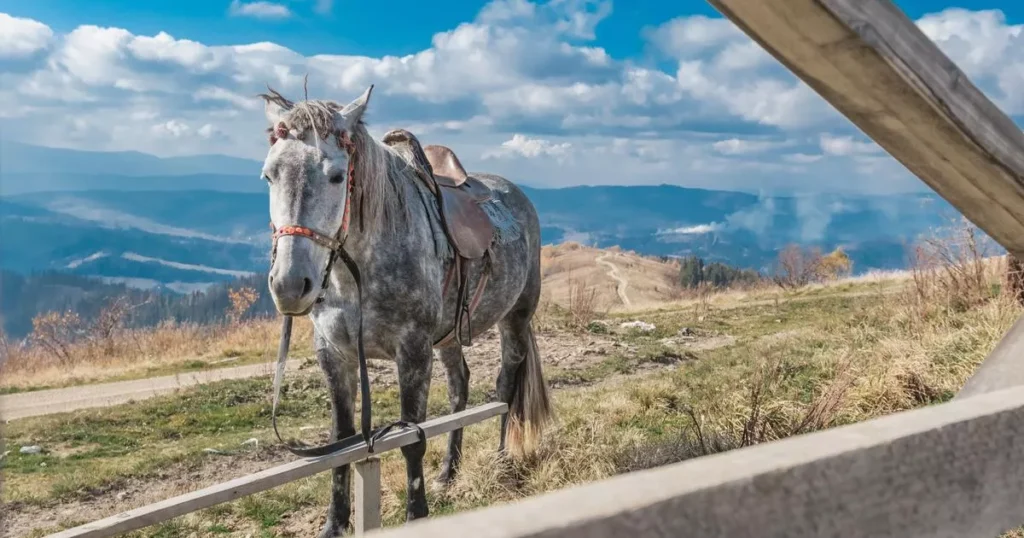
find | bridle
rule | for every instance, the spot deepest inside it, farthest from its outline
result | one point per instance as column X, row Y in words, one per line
column 336, row 245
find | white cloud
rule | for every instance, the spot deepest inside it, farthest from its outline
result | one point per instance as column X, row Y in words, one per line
column 699, row 229
column 802, row 158
column 20, row 37
column 265, row 10
column 524, row 86
column 989, row 50
column 209, row 131
column 531, row 148
column 843, row 146
column 739, row 146
column 172, row 128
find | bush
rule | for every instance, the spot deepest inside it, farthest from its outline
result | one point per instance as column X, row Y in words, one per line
column 796, row 266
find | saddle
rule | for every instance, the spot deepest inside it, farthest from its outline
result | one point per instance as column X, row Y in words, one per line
column 468, row 228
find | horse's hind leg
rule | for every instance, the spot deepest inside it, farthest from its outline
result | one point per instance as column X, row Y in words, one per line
column 415, row 358
column 514, row 347
column 458, row 395
column 521, row 382
column 341, row 383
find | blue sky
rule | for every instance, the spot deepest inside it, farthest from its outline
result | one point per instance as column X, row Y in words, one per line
column 549, row 93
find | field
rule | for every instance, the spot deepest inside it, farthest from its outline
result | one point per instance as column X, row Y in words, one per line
column 718, row 370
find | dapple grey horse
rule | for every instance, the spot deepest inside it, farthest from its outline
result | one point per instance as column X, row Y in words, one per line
column 336, row 190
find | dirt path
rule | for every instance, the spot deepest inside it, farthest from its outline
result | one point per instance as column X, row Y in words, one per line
column 613, row 271
column 44, row 402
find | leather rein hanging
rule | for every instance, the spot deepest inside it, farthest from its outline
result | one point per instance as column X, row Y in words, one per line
column 336, row 245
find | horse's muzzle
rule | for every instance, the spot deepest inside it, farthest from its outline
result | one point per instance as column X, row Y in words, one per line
column 293, row 295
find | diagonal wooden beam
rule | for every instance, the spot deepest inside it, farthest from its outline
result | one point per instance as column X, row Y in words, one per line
column 876, row 67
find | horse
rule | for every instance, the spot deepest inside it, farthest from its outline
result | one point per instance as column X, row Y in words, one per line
column 335, row 192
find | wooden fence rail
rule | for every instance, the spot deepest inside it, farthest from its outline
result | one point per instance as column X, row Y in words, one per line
column 367, row 481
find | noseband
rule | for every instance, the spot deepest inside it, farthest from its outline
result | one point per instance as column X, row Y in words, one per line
column 336, row 246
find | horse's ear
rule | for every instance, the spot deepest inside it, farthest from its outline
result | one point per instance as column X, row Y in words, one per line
column 353, row 112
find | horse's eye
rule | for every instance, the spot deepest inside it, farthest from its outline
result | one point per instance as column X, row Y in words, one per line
column 266, row 178
column 337, row 178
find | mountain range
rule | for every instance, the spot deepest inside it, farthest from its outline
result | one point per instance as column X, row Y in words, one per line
column 184, row 223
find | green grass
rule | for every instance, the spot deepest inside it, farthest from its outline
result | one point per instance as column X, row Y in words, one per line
column 637, row 407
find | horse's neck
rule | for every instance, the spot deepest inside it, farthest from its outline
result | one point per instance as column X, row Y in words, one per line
column 371, row 241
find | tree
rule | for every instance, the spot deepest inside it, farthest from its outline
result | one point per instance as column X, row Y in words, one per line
column 835, row 265
column 691, row 272
column 694, row 273
column 241, row 300
column 55, row 332
column 796, row 267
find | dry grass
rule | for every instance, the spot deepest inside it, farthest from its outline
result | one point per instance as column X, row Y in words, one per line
column 803, row 360
column 135, row 353
column 808, row 362
column 576, row 291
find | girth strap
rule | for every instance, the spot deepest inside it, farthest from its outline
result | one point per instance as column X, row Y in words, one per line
column 464, row 309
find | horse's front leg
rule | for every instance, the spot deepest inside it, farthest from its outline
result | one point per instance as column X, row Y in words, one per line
column 414, row 359
column 341, row 376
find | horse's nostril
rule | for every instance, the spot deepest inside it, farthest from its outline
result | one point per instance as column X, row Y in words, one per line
column 307, row 286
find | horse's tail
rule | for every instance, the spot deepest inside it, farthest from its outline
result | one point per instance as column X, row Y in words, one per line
column 530, row 410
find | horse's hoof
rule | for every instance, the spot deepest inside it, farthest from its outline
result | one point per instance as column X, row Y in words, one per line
column 417, row 511
column 332, row 530
column 445, row 477
column 438, row 486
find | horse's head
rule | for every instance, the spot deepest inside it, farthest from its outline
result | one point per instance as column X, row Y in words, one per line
column 310, row 171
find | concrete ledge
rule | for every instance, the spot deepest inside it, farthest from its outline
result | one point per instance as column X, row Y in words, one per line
column 953, row 470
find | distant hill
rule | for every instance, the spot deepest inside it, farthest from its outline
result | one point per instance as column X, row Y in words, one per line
column 18, row 158
column 22, row 297
column 189, row 222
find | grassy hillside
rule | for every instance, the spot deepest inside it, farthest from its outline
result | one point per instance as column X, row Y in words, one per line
column 738, row 366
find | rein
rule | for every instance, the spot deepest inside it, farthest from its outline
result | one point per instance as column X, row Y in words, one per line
column 336, row 245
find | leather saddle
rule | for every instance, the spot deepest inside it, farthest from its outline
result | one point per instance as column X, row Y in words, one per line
column 459, row 197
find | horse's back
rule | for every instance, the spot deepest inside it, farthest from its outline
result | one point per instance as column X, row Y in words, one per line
column 513, row 197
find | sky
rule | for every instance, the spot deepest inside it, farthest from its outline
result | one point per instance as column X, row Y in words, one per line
column 549, row 94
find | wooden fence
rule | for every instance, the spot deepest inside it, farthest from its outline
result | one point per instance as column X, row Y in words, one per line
column 953, row 470
column 367, row 482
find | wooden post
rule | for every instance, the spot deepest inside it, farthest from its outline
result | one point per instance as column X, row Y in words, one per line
column 367, row 495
